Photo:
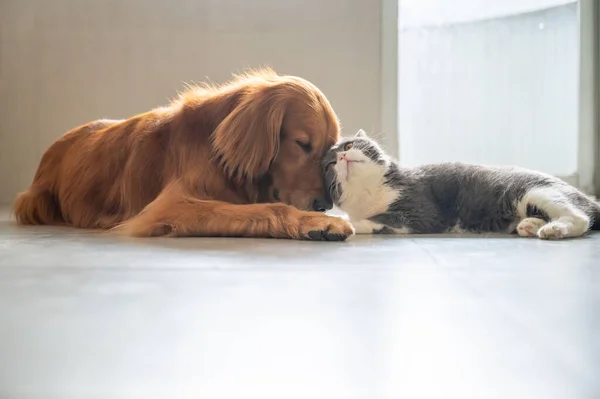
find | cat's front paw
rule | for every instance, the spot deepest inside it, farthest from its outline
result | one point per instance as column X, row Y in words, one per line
column 367, row 227
column 363, row 226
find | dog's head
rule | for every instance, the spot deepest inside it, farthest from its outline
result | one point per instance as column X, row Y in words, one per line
column 280, row 129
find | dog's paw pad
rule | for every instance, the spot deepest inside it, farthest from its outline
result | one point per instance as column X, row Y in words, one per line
column 324, row 235
column 325, row 228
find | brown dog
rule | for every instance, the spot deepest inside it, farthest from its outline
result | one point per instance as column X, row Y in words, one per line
column 218, row 161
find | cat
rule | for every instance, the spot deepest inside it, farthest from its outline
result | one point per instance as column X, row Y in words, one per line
column 380, row 196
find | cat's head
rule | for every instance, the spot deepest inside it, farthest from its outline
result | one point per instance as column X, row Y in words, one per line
column 352, row 163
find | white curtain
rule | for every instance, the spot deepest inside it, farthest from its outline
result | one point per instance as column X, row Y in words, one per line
column 493, row 82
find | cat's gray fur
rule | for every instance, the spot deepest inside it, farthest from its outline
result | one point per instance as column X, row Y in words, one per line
column 438, row 198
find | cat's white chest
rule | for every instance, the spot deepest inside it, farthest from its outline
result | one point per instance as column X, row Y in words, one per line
column 364, row 193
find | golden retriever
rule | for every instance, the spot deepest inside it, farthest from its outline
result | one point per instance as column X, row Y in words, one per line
column 241, row 159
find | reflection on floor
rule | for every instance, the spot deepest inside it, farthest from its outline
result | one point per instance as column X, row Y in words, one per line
column 84, row 315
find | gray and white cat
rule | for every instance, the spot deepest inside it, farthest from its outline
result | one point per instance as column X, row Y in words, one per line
column 382, row 197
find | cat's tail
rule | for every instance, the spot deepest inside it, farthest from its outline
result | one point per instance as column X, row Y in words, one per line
column 596, row 217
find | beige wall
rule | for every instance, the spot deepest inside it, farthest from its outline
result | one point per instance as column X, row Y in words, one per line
column 65, row 62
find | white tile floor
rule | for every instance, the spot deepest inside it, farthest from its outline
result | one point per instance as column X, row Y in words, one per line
column 84, row 315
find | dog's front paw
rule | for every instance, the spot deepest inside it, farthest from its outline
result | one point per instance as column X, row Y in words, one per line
column 324, row 228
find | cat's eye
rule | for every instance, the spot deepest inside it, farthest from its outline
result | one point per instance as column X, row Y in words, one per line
column 347, row 146
column 305, row 146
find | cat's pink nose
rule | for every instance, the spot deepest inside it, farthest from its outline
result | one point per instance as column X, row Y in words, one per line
column 341, row 156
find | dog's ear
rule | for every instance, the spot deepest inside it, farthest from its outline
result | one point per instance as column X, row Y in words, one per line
column 247, row 140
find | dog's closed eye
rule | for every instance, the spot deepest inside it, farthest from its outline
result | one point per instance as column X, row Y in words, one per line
column 307, row 147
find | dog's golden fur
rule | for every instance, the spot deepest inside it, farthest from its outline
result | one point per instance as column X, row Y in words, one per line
column 215, row 162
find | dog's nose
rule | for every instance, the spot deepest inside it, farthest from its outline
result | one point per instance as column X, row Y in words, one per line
column 322, row 205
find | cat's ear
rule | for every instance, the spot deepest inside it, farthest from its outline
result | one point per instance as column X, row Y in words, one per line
column 361, row 133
